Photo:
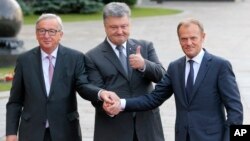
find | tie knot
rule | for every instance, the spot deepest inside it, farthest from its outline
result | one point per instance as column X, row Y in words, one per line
column 119, row 48
column 50, row 57
column 191, row 62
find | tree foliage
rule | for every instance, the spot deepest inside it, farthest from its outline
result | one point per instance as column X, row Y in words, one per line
column 61, row 6
column 128, row 2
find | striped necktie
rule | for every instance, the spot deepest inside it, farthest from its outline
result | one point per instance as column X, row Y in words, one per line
column 51, row 68
column 122, row 58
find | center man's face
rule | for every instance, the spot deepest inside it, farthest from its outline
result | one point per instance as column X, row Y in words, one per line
column 117, row 29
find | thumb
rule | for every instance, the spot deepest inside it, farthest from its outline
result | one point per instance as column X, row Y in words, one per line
column 138, row 50
column 105, row 96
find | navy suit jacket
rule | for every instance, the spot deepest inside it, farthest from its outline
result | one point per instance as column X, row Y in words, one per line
column 203, row 117
column 29, row 103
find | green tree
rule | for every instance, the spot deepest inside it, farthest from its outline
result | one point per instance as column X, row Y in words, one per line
column 128, row 2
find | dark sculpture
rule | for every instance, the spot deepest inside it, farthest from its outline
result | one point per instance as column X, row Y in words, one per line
column 11, row 19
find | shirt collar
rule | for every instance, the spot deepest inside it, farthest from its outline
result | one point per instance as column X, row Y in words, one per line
column 114, row 46
column 197, row 58
column 54, row 53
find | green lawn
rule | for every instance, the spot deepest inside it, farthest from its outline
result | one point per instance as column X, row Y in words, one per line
column 136, row 12
column 4, row 86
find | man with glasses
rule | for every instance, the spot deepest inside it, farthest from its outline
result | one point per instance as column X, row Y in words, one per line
column 51, row 32
column 42, row 105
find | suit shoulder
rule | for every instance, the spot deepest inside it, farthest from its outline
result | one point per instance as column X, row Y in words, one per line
column 217, row 59
column 179, row 60
column 96, row 50
column 28, row 53
column 71, row 51
column 140, row 42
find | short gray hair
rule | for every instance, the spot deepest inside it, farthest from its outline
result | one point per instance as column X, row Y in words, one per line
column 50, row 16
column 116, row 9
column 187, row 22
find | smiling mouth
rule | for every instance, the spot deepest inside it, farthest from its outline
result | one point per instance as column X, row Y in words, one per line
column 189, row 47
column 46, row 41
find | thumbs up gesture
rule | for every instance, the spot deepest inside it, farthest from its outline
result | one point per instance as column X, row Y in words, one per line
column 136, row 61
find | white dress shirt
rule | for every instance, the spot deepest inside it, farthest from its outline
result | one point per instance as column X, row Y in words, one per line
column 45, row 64
column 196, row 65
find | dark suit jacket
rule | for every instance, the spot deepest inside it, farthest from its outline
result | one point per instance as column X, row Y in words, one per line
column 203, row 116
column 105, row 70
column 28, row 99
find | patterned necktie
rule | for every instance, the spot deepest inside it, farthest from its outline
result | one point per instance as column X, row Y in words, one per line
column 51, row 72
column 51, row 68
column 190, row 80
column 122, row 58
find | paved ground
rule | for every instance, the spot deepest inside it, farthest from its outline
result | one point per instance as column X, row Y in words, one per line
column 227, row 26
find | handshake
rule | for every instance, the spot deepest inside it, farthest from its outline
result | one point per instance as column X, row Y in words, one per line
column 111, row 102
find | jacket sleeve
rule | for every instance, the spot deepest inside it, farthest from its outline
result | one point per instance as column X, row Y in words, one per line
column 154, row 70
column 15, row 102
column 83, row 86
column 163, row 90
column 230, row 96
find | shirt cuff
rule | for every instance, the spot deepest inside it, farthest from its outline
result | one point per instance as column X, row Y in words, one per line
column 123, row 104
column 144, row 68
column 99, row 95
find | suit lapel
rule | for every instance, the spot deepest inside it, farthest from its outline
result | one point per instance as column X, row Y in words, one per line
column 181, row 67
column 205, row 65
column 59, row 67
column 131, row 49
column 38, row 68
column 112, row 57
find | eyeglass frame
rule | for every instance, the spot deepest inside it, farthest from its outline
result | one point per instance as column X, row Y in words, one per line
column 51, row 32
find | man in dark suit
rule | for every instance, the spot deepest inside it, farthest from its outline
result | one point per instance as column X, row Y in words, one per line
column 43, row 93
column 133, row 78
column 206, row 93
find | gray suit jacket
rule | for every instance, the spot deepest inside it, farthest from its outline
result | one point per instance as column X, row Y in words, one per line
column 28, row 100
column 106, row 71
column 203, row 116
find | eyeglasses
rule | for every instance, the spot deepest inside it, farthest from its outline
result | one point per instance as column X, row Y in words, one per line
column 51, row 32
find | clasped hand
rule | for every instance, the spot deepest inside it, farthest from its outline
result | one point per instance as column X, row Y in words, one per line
column 111, row 103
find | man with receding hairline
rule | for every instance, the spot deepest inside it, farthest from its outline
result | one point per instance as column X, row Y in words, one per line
column 206, row 94
column 42, row 105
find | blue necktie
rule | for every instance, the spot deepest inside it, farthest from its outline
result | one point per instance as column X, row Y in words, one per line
column 190, row 80
column 122, row 58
